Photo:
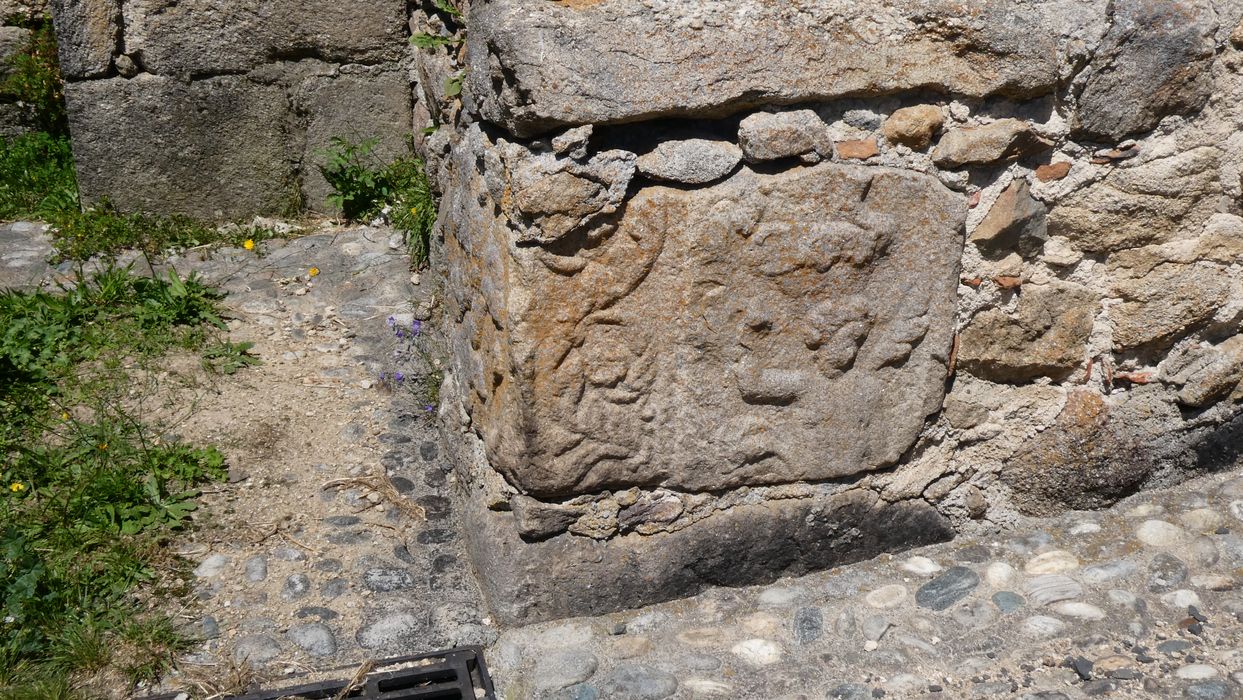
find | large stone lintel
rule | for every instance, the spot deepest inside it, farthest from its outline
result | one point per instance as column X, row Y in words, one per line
column 536, row 65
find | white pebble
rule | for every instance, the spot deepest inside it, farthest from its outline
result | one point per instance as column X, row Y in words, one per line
column 211, row 566
column 758, row 652
column 999, row 574
column 1196, row 672
column 887, row 596
column 1084, row 529
column 1058, row 561
column 1159, row 533
column 1180, row 599
column 1202, row 519
column 780, row 596
column 1236, row 509
column 922, row 566
column 1082, row 611
column 1042, row 626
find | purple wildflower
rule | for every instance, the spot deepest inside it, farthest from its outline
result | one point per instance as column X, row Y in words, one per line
column 391, row 321
column 416, row 326
column 429, row 408
column 399, row 376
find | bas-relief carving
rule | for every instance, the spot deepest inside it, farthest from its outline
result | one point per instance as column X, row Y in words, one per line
column 768, row 329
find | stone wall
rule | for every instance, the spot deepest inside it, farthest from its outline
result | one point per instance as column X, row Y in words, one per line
column 739, row 290
column 217, row 109
column 743, row 289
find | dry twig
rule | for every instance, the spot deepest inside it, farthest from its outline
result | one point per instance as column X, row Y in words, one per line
column 357, row 681
column 383, row 485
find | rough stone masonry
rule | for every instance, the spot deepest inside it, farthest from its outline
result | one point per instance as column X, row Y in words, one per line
column 738, row 290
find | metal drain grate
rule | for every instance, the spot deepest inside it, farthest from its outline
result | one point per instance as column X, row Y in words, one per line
column 456, row 674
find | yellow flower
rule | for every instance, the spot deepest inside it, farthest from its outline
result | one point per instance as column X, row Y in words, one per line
column 249, row 244
column 414, row 211
column 313, row 271
column 64, row 415
column 17, row 487
column 103, row 445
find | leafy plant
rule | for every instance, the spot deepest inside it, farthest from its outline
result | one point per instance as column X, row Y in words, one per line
column 446, row 7
column 358, row 184
column 453, row 84
column 423, row 40
column 365, row 187
column 228, row 358
column 35, row 82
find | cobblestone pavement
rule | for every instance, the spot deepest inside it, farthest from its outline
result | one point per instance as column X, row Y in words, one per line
column 1139, row 600
column 335, row 540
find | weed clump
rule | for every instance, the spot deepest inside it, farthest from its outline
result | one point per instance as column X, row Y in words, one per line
column 364, row 187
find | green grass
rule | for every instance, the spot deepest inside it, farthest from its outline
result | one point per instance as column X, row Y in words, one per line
column 365, row 187
column 89, row 495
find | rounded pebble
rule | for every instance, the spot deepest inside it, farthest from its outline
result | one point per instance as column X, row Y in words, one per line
column 256, row 569
column 1080, row 529
column 1159, row 533
column 1196, row 672
column 1100, row 573
column 639, row 683
column 757, row 652
column 1180, row 599
column 255, row 649
column 921, row 566
column 999, row 574
column 1202, row 519
column 389, row 631
column 1082, row 611
column 1042, row 626
column 315, row 638
column 875, row 627
column 1058, row 561
column 887, row 596
column 296, row 586
column 1052, row 588
column 211, row 566
column 561, row 669
column 701, row 687
column 948, row 588
column 808, row 625
column 779, row 596
column 1007, row 601
column 1210, row 690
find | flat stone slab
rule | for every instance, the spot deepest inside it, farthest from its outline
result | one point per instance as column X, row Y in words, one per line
column 535, row 65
